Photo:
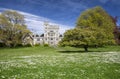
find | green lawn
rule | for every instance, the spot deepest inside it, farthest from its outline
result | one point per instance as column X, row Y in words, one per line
column 59, row 63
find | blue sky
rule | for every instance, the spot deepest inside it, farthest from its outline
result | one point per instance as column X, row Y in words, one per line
column 64, row 12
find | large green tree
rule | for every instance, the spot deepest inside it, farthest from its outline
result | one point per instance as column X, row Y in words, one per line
column 96, row 18
column 12, row 28
column 94, row 27
column 85, row 38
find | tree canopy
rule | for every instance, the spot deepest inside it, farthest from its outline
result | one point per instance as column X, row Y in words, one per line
column 94, row 27
column 95, row 17
column 12, row 28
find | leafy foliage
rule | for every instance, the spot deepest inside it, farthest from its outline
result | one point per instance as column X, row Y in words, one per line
column 12, row 28
column 46, row 45
column 93, row 28
column 95, row 17
column 85, row 37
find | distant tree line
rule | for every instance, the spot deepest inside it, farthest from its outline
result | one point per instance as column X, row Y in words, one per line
column 12, row 28
column 94, row 28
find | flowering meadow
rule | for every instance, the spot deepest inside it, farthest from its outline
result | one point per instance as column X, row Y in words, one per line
column 59, row 63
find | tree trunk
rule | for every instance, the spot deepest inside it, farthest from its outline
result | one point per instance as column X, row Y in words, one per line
column 86, row 48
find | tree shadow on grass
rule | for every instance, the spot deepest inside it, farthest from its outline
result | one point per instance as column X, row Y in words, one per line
column 69, row 51
column 76, row 51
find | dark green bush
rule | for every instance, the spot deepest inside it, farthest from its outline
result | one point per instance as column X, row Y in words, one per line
column 28, row 45
column 2, row 45
column 46, row 45
column 19, row 45
column 37, row 45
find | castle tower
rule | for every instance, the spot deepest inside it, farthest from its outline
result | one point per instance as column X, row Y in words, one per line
column 51, row 34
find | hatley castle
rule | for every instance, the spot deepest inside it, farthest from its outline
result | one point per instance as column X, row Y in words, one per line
column 50, row 36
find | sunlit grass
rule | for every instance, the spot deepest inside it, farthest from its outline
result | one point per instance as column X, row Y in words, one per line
column 59, row 63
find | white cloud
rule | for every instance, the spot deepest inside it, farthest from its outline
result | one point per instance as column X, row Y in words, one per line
column 36, row 23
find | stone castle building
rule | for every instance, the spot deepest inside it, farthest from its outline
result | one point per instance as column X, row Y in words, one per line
column 50, row 36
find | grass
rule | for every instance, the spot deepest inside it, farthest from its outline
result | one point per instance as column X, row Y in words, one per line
column 60, row 63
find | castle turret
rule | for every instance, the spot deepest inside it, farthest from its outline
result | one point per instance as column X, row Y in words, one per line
column 51, row 34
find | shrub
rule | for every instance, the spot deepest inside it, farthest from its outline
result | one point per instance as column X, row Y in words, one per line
column 28, row 45
column 2, row 45
column 46, row 45
column 19, row 45
column 37, row 44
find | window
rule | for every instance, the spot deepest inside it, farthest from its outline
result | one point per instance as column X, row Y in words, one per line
column 37, row 35
column 51, row 31
column 38, row 39
column 51, row 42
column 51, row 34
column 51, row 38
